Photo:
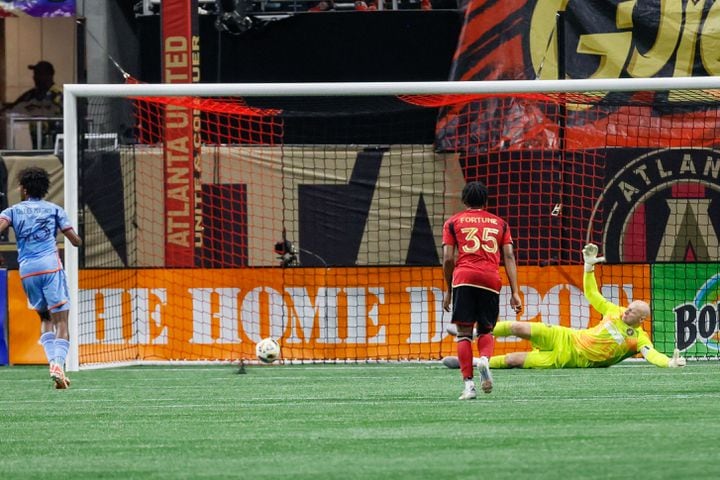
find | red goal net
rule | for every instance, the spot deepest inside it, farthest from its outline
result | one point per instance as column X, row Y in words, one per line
column 317, row 220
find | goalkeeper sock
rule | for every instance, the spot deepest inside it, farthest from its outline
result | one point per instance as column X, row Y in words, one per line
column 47, row 340
column 61, row 350
column 465, row 356
column 502, row 329
column 498, row 361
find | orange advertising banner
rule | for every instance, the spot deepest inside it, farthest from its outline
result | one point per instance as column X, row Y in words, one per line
column 376, row 313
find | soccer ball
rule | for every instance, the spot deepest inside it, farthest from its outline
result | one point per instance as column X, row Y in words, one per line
column 267, row 350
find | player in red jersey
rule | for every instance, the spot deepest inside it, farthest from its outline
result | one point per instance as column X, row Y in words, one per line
column 473, row 241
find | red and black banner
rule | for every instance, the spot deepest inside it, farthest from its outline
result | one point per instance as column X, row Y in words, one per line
column 518, row 40
column 181, row 64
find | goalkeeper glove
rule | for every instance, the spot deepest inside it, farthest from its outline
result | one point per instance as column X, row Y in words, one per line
column 676, row 360
column 590, row 257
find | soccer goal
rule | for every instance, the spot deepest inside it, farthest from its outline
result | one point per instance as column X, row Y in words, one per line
column 221, row 214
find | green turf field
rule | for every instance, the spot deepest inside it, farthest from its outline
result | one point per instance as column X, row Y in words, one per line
column 360, row 421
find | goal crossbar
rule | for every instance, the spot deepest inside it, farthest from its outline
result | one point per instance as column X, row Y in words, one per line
column 392, row 88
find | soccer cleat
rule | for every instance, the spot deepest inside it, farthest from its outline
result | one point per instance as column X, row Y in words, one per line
column 361, row 6
column 486, row 381
column 469, row 393
column 58, row 376
column 425, row 5
column 63, row 385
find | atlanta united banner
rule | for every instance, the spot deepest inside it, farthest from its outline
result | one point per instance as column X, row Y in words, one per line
column 181, row 64
column 517, row 40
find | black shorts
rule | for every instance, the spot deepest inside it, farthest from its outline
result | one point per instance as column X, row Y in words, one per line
column 472, row 305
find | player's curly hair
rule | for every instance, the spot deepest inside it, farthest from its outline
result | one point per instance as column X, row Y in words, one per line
column 475, row 194
column 35, row 181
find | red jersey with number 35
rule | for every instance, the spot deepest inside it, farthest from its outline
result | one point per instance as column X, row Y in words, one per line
column 479, row 237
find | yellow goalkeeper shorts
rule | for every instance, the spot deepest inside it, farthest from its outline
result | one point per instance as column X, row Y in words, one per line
column 553, row 347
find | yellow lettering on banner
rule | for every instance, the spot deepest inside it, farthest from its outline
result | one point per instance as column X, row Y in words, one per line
column 175, row 43
column 178, row 175
column 175, row 118
column 685, row 58
column 199, row 229
column 176, row 60
column 628, row 191
column 179, row 193
column 197, row 123
column 180, row 145
column 710, row 41
column 198, row 233
column 179, row 237
column 641, row 171
column 541, row 31
column 176, row 158
column 195, row 58
column 684, row 30
column 661, row 169
column 712, row 167
column 669, row 29
column 610, row 47
column 687, row 165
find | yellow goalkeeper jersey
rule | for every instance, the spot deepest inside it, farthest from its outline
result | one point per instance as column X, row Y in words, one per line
column 611, row 341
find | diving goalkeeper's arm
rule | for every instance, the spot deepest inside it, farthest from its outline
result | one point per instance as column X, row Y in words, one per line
column 590, row 288
column 604, row 306
column 661, row 360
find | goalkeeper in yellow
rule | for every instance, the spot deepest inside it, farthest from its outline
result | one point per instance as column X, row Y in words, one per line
column 618, row 336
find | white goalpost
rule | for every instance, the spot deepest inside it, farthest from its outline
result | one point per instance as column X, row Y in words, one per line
column 383, row 305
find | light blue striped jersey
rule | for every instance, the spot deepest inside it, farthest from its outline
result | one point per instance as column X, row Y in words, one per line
column 36, row 223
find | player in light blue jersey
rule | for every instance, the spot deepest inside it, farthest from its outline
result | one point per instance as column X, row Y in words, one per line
column 36, row 223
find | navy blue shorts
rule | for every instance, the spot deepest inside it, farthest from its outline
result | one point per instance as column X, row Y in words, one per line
column 472, row 305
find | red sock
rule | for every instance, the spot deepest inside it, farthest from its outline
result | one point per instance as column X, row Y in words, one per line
column 465, row 357
column 486, row 345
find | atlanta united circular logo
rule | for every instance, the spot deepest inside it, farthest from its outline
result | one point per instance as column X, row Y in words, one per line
column 662, row 206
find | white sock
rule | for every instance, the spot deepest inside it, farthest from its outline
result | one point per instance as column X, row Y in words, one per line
column 47, row 340
column 61, row 350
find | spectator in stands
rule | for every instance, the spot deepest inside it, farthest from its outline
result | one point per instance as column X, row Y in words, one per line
column 43, row 100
